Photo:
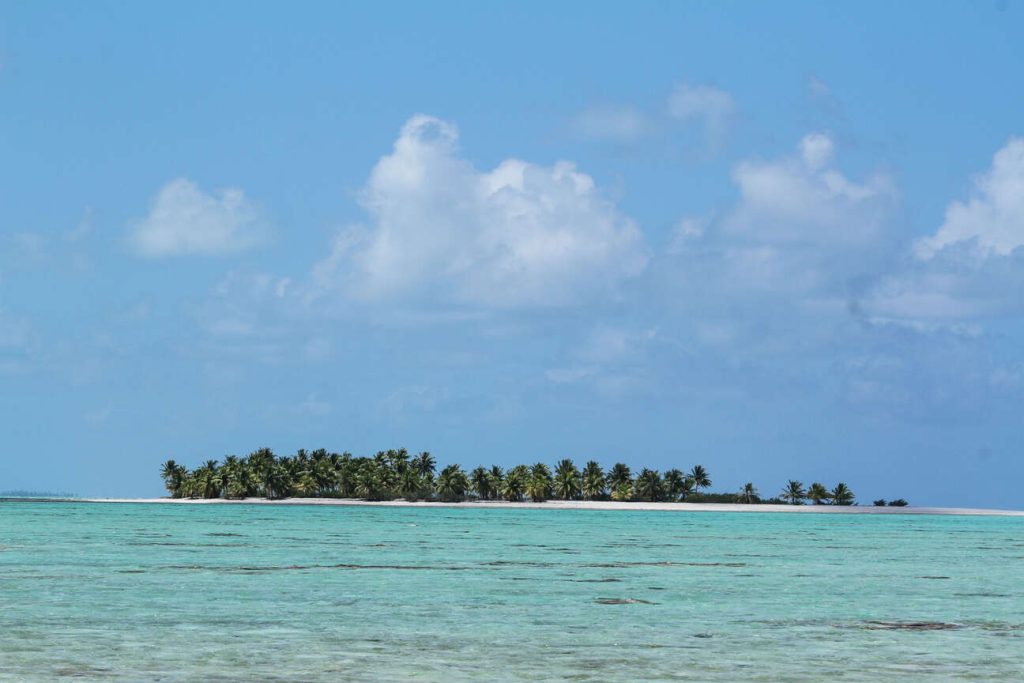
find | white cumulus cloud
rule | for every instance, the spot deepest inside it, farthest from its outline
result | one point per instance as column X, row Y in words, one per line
column 800, row 225
column 992, row 220
column 804, row 199
column 518, row 235
column 185, row 220
column 972, row 267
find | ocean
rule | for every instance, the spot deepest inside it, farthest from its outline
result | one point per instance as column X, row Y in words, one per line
column 147, row 592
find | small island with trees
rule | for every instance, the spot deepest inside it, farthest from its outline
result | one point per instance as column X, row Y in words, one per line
column 398, row 475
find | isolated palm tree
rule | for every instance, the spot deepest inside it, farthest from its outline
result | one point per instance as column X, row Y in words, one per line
column 700, row 477
column 818, row 494
column 842, row 495
column 747, row 494
column 794, row 492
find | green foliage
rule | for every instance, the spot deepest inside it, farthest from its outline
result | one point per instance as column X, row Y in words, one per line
column 700, row 477
column 567, row 484
column 594, row 486
column 818, row 494
column 748, row 494
column 842, row 495
column 619, row 476
column 649, row 486
column 393, row 474
column 794, row 493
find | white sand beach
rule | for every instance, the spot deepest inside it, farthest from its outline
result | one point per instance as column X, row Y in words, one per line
column 578, row 505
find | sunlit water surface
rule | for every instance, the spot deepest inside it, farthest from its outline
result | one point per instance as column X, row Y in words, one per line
column 140, row 592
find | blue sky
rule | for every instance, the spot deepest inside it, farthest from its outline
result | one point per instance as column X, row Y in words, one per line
column 782, row 240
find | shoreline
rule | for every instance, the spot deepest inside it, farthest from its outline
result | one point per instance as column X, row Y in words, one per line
column 553, row 505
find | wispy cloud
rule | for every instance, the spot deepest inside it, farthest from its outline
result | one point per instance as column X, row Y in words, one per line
column 710, row 106
column 622, row 123
column 185, row 220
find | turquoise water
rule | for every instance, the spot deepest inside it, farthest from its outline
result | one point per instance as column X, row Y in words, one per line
column 191, row 592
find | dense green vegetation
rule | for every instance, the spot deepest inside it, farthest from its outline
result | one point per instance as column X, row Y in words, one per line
column 397, row 474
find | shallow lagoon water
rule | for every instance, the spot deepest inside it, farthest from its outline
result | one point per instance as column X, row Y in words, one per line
column 247, row 592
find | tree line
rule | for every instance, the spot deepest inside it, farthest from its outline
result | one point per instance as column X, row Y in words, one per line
column 397, row 474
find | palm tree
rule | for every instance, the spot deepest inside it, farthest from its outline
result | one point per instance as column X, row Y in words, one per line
column 747, row 494
column 515, row 483
column 345, row 476
column 398, row 460
column 260, row 463
column 619, row 475
column 480, row 483
column 278, row 482
column 818, row 493
column 794, row 492
column 674, row 482
column 623, row 492
column 393, row 473
column 567, row 480
column 411, row 484
column 452, row 483
column 842, row 495
column 424, row 464
column 305, row 485
column 497, row 481
column 539, row 485
column 648, row 485
column 209, row 480
column 173, row 475
column 700, row 477
column 593, row 486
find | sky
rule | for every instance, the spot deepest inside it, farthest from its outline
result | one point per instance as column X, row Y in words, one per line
column 782, row 240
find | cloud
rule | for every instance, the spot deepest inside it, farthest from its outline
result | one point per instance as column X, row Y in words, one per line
column 710, row 106
column 704, row 107
column 313, row 406
column 612, row 360
column 992, row 220
column 622, row 124
column 185, row 220
column 519, row 235
column 802, row 199
column 821, row 95
column 800, row 226
column 972, row 266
